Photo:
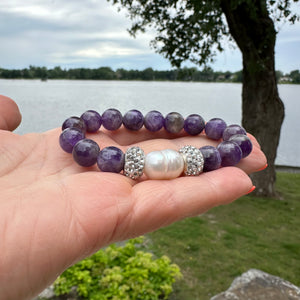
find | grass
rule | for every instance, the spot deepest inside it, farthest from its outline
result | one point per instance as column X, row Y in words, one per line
column 252, row 232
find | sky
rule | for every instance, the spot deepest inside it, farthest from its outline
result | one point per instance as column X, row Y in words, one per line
column 92, row 34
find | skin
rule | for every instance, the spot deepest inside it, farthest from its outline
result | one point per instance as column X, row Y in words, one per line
column 54, row 213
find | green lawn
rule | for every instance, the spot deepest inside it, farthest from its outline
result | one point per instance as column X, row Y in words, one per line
column 214, row 248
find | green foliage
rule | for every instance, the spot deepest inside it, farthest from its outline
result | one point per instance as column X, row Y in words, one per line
column 124, row 272
column 195, row 29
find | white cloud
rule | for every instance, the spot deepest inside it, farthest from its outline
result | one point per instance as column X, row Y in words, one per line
column 88, row 33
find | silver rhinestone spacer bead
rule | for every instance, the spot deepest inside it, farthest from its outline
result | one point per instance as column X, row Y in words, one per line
column 193, row 160
column 134, row 162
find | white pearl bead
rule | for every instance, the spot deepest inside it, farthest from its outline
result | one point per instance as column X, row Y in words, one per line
column 165, row 164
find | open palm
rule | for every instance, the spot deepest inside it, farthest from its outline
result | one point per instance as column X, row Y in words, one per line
column 54, row 212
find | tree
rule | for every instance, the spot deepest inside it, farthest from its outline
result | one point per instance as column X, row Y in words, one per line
column 196, row 29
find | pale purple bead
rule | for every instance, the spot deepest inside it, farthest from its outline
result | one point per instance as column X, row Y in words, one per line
column 85, row 152
column 212, row 158
column 154, row 121
column 173, row 122
column 111, row 159
column 74, row 122
column 244, row 143
column 194, row 124
column 214, row 128
column 230, row 153
column 69, row 137
column 232, row 130
column 92, row 120
column 112, row 119
column 133, row 120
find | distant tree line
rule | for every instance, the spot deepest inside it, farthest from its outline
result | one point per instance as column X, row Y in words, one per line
column 106, row 73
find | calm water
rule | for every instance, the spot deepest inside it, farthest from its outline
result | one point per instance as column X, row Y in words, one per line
column 44, row 105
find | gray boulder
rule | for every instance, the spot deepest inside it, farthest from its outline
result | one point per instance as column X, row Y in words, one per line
column 258, row 285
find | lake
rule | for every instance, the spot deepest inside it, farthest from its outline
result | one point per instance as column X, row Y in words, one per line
column 45, row 105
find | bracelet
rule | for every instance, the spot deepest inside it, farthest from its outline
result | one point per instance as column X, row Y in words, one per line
column 164, row 164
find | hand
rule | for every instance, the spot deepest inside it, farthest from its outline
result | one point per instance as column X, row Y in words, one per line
column 54, row 212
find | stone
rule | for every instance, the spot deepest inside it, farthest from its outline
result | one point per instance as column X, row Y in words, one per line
column 154, row 120
column 258, row 285
column 230, row 153
column 174, row 122
column 194, row 124
column 214, row 128
column 92, row 120
column 111, row 159
column 133, row 120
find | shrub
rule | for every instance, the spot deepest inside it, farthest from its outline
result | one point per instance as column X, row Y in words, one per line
column 124, row 272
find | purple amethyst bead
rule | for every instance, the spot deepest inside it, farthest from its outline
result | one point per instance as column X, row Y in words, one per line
column 212, row 158
column 85, row 152
column 111, row 159
column 230, row 153
column 133, row 120
column 69, row 137
column 154, row 121
column 92, row 120
column 244, row 143
column 74, row 122
column 173, row 122
column 214, row 128
column 194, row 124
column 232, row 130
column 112, row 119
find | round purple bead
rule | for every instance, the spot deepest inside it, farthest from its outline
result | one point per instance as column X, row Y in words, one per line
column 85, row 152
column 232, row 130
column 111, row 159
column 194, row 124
column 154, row 121
column 230, row 153
column 173, row 122
column 244, row 143
column 92, row 120
column 214, row 128
column 212, row 158
column 133, row 120
column 74, row 122
column 112, row 119
column 69, row 137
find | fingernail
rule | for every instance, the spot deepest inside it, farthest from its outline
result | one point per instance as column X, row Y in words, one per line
column 251, row 190
column 264, row 167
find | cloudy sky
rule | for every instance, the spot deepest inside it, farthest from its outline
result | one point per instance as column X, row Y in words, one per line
column 92, row 33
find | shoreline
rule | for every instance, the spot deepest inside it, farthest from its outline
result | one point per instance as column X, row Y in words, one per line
column 287, row 169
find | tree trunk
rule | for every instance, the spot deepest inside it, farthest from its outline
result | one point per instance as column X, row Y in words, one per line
column 263, row 111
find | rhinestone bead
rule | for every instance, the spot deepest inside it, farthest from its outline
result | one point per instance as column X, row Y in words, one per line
column 193, row 159
column 134, row 162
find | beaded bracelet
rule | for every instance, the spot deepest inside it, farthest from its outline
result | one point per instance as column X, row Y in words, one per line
column 164, row 164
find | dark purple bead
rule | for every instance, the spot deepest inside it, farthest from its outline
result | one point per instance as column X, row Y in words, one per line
column 194, row 124
column 212, row 158
column 232, row 130
column 69, row 137
column 214, row 128
column 111, row 159
column 112, row 119
column 244, row 143
column 133, row 120
column 92, row 120
column 173, row 122
column 154, row 120
column 74, row 122
column 230, row 153
column 85, row 152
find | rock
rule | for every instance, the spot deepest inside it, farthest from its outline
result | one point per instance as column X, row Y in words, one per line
column 47, row 293
column 258, row 285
